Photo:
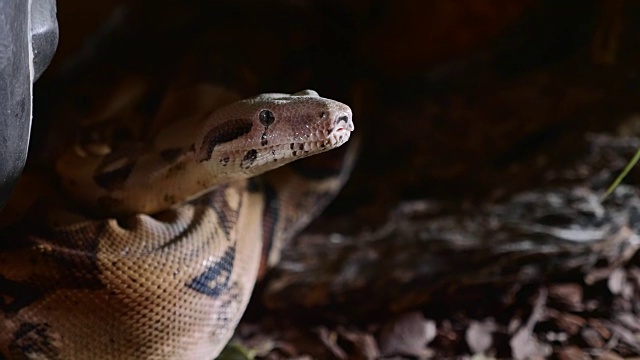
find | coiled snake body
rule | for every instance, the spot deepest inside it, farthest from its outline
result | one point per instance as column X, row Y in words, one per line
column 172, row 235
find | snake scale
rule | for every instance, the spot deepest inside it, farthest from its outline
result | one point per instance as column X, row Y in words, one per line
column 159, row 251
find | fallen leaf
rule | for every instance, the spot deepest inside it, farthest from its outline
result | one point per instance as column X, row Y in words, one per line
column 600, row 328
column 570, row 323
column 629, row 320
column 408, row 335
column 625, row 335
column 592, row 338
column 609, row 355
column 481, row 357
column 570, row 294
column 365, row 345
column 524, row 346
column 479, row 335
column 616, row 281
column 572, row 353
column 330, row 339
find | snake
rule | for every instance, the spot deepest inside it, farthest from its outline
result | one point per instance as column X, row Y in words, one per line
column 157, row 241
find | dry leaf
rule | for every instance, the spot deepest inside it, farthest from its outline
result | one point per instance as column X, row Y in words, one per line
column 592, row 338
column 365, row 345
column 524, row 346
column 626, row 335
column 568, row 322
column 609, row 355
column 329, row 339
column 479, row 335
column 600, row 328
column 629, row 320
column 572, row 353
column 616, row 281
column 568, row 294
column 409, row 335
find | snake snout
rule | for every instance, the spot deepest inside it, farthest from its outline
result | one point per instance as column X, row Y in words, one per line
column 343, row 122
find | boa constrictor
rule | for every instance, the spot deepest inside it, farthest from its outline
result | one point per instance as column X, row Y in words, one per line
column 173, row 234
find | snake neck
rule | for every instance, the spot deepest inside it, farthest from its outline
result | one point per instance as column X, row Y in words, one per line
column 294, row 195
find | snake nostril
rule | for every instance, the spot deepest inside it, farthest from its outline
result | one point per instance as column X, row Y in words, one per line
column 347, row 125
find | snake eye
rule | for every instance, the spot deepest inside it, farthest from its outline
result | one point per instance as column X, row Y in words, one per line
column 266, row 117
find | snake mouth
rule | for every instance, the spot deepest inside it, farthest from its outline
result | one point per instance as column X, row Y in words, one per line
column 258, row 160
column 339, row 137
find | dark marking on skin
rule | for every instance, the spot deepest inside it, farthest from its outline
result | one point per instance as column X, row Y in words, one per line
column 270, row 218
column 169, row 198
column 192, row 148
column 230, row 300
column 35, row 340
column 215, row 279
column 344, row 118
column 295, row 153
column 193, row 228
column 176, row 167
column 225, row 221
column 179, row 166
column 263, row 140
column 249, row 159
column 291, row 146
column 224, row 211
column 63, row 262
column 114, row 179
column 329, row 131
column 171, row 155
column 225, row 160
column 225, row 132
column 300, row 146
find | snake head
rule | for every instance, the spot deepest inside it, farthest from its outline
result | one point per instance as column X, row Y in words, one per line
column 264, row 132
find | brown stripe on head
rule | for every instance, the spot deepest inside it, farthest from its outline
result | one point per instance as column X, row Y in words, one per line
column 225, row 132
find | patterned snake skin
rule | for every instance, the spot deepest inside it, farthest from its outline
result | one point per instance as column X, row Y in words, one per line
column 92, row 276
